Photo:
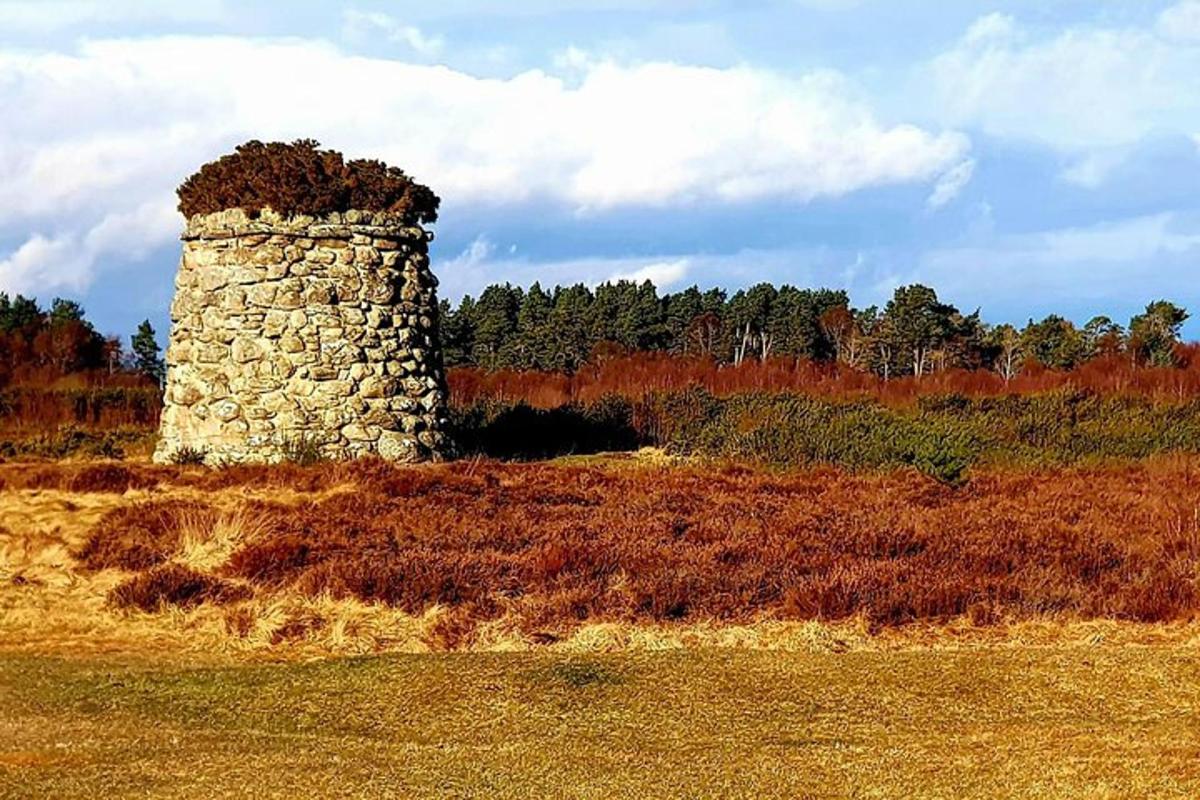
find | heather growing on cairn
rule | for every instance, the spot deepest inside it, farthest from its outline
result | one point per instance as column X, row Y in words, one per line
column 300, row 178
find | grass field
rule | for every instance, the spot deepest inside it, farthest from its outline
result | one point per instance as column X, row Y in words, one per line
column 1081, row 680
column 1097, row 722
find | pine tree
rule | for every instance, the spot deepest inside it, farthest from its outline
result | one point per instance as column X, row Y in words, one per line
column 1054, row 342
column 531, row 343
column 495, row 324
column 458, row 333
column 918, row 324
column 1154, row 334
column 569, row 325
column 680, row 309
column 146, row 359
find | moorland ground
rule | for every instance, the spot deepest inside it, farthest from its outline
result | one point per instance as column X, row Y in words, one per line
column 680, row 630
column 471, row 552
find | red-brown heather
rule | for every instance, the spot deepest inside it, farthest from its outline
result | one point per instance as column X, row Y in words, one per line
column 300, row 178
column 634, row 376
column 175, row 585
column 109, row 404
column 551, row 546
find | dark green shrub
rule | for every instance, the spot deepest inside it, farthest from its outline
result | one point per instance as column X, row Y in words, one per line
column 71, row 441
column 303, row 451
column 521, row 432
column 188, row 456
column 942, row 436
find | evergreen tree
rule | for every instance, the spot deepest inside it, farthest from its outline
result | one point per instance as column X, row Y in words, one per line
column 968, row 346
column 915, row 334
column 1154, row 333
column 641, row 323
column 1054, row 342
column 19, row 314
column 918, row 325
column 531, row 346
column 458, row 332
column 747, row 318
column 679, row 310
column 795, row 322
column 614, row 314
column 495, row 318
column 64, row 311
column 1102, row 337
column 146, row 358
column 569, row 328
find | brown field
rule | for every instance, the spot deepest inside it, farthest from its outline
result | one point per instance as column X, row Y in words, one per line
column 628, row 627
column 366, row 557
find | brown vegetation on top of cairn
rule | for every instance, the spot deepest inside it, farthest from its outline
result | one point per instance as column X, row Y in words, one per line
column 553, row 546
column 300, row 178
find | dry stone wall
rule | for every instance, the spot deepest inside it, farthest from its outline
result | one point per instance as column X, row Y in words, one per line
column 303, row 335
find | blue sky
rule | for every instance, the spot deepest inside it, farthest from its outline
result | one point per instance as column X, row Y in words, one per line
column 1023, row 157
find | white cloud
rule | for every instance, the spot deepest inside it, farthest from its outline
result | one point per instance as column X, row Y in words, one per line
column 360, row 25
column 66, row 261
column 1082, row 88
column 993, row 27
column 1113, row 262
column 476, row 255
column 48, row 15
column 43, row 263
column 660, row 273
column 117, row 124
column 951, row 184
column 1092, row 169
column 1181, row 21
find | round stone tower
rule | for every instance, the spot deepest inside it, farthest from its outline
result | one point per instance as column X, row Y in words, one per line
column 299, row 336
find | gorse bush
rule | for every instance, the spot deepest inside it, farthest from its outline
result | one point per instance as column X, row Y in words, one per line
column 300, row 178
column 940, row 436
column 71, row 441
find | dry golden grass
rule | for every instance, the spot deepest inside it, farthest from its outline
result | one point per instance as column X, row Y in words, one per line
column 1052, row 722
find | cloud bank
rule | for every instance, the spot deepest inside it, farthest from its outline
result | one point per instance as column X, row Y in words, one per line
column 1082, row 88
column 113, row 126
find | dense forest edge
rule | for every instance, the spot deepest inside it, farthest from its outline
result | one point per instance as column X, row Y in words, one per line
column 915, row 333
column 779, row 376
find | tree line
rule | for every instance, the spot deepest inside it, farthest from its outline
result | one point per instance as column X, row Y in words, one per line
column 915, row 333
column 509, row 327
column 42, row 345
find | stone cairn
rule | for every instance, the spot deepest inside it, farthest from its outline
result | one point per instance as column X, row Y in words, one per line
column 301, row 334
